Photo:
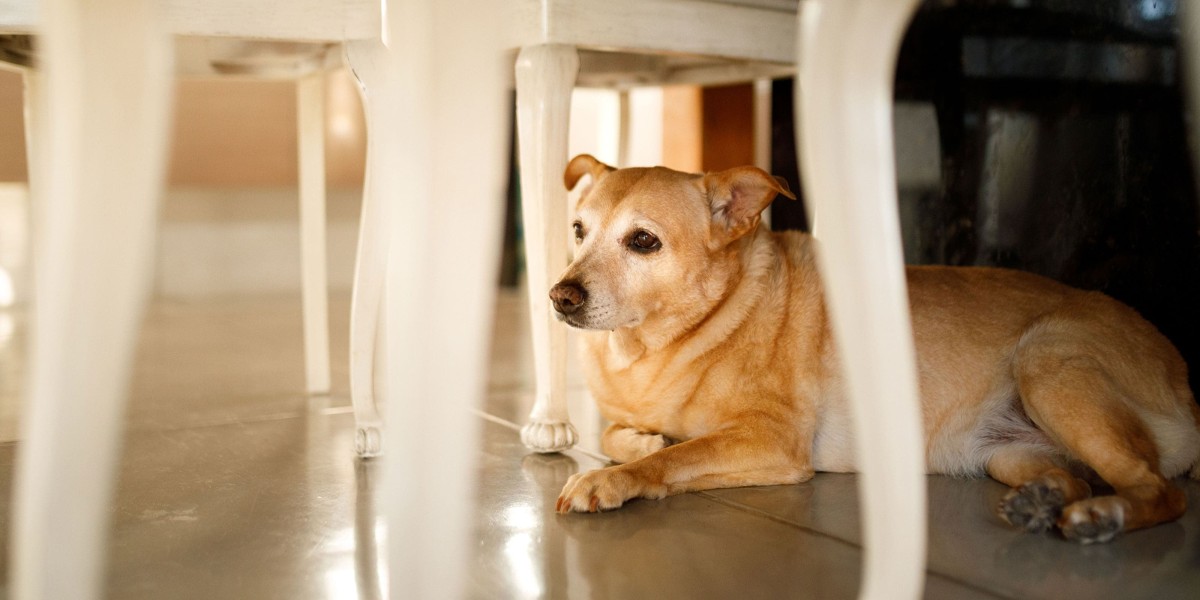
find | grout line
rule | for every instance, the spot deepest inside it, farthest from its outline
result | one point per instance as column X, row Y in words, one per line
column 496, row 420
column 929, row 572
column 774, row 517
column 509, row 424
column 737, row 506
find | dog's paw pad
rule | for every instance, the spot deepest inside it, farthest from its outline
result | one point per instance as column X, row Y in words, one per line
column 1034, row 507
column 1091, row 522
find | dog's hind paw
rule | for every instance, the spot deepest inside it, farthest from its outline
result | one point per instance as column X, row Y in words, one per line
column 1095, row 520
column 1034, row 507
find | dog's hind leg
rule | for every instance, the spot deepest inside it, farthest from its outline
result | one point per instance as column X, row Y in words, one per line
column 1071, row 397
column 1042, row 486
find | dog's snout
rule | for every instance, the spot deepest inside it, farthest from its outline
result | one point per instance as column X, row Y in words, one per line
column 568, row 296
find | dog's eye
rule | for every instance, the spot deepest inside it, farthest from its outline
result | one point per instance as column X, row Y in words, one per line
column 644, row 241
column 578, row 231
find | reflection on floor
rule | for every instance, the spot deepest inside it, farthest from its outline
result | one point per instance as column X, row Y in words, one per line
column 236, row 485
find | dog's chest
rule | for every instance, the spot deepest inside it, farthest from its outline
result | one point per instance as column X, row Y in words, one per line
column 651, row 398
column 659, row 397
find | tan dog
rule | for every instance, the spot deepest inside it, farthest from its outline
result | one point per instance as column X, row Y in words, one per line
column 709, row 348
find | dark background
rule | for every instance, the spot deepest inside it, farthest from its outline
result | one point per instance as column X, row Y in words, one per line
column 1063, row 149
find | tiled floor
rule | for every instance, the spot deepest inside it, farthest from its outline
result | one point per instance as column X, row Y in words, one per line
column 235, row 485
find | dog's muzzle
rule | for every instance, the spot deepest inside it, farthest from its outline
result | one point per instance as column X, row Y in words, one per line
column 568, row 297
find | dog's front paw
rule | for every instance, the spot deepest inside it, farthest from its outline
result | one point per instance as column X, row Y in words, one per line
column 605, row 489
column 1034, row 507
column 1095, row 520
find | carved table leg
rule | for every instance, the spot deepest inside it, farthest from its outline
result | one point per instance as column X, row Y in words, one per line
column 545, row 77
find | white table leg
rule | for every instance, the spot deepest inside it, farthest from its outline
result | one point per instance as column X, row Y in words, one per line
column 762, row 132
column 847, row 56
column 367, row 59
column 623, row 132
column 545, row 77
column 100, row 146
column 443, row 146
column 310, row 111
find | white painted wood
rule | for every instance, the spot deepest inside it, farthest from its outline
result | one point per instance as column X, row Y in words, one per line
column 101, row 149
column 295, row 20
column 310, row 114
column 668, row 26
column 256, row 60
column 442, row 144
column 545, row 75
column 762, row 124
column 844, row 102
column 762, row 132
column 623, row 134
column 602, row 68
column 368, row 60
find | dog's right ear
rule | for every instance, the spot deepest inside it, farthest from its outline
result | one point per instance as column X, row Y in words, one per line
column 738, row 196
column 584, row 164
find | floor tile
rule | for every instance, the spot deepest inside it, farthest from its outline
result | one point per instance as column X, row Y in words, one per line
column 969, row 543
column 234, row 484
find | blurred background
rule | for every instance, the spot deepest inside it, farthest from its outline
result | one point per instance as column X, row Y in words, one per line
column 1044, row 135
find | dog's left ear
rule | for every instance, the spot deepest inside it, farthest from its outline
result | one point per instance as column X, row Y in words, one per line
column 584, row 164
column 738, row 196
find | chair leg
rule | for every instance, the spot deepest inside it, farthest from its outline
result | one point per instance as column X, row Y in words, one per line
column 762, row 132
column 847, row 56
column 366, row 59
column 545, row 77
column 310, row 105
column 624, row 114
column 444, row 144
column 98, row 168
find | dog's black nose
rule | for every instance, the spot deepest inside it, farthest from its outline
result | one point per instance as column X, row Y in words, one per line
column 567, row 297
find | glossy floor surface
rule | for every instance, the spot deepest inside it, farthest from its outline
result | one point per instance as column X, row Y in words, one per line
column 235, row 485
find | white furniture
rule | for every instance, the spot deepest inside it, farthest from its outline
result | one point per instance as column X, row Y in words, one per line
column 847, row 61
column 565, row 43
column 99, row 121
column 305, row 64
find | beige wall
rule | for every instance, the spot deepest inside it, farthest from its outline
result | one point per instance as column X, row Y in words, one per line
column 227, row 132
column 708, row 129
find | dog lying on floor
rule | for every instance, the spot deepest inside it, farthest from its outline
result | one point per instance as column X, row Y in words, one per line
column 709, row 349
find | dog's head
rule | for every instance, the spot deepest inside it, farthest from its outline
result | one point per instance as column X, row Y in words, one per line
column 653, row 244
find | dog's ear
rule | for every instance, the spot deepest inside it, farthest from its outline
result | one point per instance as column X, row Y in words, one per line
column 584, row 164
column 738, row 196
